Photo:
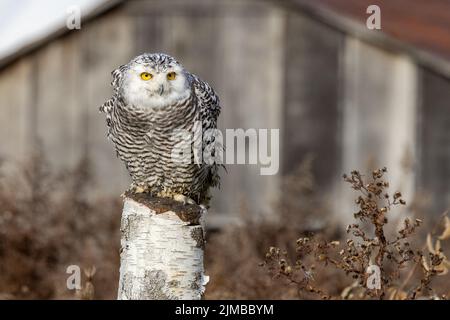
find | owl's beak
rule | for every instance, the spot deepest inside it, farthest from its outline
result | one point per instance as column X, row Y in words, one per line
column 161, row 89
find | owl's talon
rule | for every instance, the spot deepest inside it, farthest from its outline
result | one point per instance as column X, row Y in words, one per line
column 183, row 199
column 139, row 189
column 136, row 189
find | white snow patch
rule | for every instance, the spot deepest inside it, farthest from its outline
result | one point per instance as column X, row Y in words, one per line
column 26, row 21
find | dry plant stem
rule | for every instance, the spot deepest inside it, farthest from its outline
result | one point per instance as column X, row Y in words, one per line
column 368, row 247
column 377, row 215
column 162, row 250
column 379, row 233
column 413, row 269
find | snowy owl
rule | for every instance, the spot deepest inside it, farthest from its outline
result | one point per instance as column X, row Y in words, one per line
column 153, row 98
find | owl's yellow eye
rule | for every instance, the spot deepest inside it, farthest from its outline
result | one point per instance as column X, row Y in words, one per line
column 146, row 76
column 171, row 76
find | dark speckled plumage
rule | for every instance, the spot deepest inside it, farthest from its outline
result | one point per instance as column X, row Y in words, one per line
column 143, row 137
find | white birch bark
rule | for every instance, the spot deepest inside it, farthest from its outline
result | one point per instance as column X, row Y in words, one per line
column 162, row 248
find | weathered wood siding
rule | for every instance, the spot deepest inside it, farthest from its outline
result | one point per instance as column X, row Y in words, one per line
column 378, row 116
column 352, row 104
column 16, row 92
column 63, row 83
column 434, row 140
column 312, row 83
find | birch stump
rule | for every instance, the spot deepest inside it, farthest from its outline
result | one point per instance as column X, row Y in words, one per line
column 162, row 247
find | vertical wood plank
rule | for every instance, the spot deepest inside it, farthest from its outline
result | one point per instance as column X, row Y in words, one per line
column 15, row 104
column 251, row 83
column 106, row 43
column 312, row 77
column 379, row 115
column 434, row 140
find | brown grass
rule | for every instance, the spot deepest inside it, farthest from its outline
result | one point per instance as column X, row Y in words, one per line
column 46, row 224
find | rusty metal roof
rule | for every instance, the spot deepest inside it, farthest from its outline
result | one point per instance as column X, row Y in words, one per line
column 421, row 23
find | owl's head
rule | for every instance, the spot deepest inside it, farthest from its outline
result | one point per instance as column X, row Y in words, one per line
column 153, row 80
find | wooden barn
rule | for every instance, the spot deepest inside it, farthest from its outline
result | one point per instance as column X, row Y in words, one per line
column 351, row 96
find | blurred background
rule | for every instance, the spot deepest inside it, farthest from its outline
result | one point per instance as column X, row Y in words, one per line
column 343, row 96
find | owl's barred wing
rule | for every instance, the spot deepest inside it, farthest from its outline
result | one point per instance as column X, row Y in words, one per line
column 209, row 112
column 208, row 101
column 117, row 77
column 107, row 107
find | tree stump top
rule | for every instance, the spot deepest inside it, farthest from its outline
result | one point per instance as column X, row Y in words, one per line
column 190, row 213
